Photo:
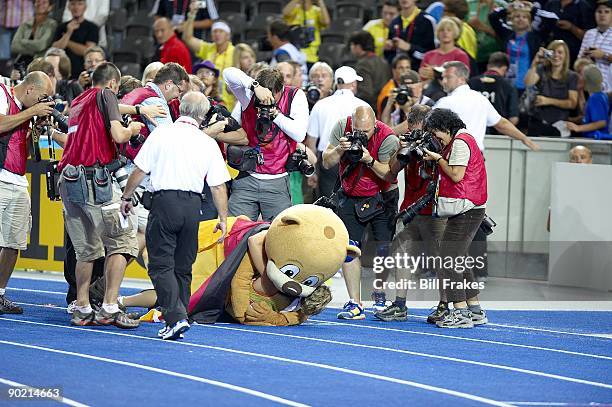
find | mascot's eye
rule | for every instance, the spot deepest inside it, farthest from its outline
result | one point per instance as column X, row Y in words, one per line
column 311, row 281
column 290, row 270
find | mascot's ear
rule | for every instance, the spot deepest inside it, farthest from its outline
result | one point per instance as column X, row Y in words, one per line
column 290, row 220
column 352, row 252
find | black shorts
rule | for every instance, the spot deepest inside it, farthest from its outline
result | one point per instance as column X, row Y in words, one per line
column 382, row 228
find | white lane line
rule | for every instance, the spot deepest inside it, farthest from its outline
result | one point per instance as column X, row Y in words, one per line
column 216, row 383
column 287, row 360
column 426, row 355
column 63, row 400
column 30, row 290
column 516, row 345
column 40, row 305
column 528, row 328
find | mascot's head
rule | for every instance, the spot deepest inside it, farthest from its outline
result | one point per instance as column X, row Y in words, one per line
column 306, row 245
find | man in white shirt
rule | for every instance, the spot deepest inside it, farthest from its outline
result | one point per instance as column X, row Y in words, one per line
column 597, row 42
column 264, row 188
column 474, row 109
column 97, row 12
column 178, row 158
column 17, row 106
column 324, row 116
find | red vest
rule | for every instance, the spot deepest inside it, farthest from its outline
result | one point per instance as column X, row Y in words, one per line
column 415, row 187
column 473, row 186
column 89, row 142
column 13, row 147
column 362, row 181
column 136, row 97
column 276, row 152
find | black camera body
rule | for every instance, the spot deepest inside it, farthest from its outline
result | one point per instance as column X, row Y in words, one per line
column 301, row 36
column 408, row 214
column 358, row 139
column 419, row 140
column 404, row 93
column 58, row 117
column 313, row 93
column 487, row 225
column 222, row 113
column 263, row 122
column 298, row 161
column 53, row 177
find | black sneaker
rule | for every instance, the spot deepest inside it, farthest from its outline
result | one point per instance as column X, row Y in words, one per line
column 438, row 314
column 96, row 291
column 9, row 307
column 393, row 312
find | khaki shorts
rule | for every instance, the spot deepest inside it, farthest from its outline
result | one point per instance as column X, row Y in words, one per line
column 92, row 228
column 15, row 216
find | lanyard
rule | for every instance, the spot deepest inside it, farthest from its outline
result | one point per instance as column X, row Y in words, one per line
column 399, row 29
column 179, row 120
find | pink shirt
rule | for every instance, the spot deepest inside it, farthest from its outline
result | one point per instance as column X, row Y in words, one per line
column 436, row 58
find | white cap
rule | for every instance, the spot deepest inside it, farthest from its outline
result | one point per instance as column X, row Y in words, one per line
column 220, row 25
column 347, row 74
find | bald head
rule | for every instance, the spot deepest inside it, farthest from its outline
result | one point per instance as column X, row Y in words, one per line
column 364, row 119
column 581, row 155
column 163, row 30
column 35, row 85
column 194, row 105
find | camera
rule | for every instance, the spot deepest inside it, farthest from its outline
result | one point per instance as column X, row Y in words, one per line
column 313, row 93
column 301, row 36
column 298, row 161
column 53, row 177
column 264, row 120
column 327, row 202
column 408, row 214
column 549, row 53
column 58, row 117
column 222, row 113
column 404, row 93
column 419, row 141
column 116, row 167
column 487, row 225
column 358, row 139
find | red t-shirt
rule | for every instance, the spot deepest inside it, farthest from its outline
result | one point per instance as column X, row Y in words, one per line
column 174, row 50
column 436, row 58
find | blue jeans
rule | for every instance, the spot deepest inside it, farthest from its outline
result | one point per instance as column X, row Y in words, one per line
column 6, row 36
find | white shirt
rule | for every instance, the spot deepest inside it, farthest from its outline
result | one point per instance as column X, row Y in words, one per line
column 328, row 111
column 474, row 109
column 7, row 176
column 603, row 41
column 97, row 12
column 179, row 156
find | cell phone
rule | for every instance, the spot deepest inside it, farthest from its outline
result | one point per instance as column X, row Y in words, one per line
column 201, row 4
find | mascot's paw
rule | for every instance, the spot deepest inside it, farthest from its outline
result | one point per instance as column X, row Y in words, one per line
column 317, row 301
column 261, row 313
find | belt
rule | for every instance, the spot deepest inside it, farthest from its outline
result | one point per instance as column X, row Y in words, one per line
column 177, row 192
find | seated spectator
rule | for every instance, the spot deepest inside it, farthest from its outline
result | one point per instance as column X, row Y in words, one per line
column 597, row 42
column 597, row 112
column 178, row 10
column 313, row 15
column 579, row 66
column 580, row 155
column 220, row 51
column 76, row 36
column 556, row 90
column 67, row 89
column 34, row 36
column 521, row 44
column 170, row 48
column 373, row 69
column 283, row 49
column 14, row 14
column 97, row 12
column 447, row 33
column 478, row 19
column 150, row 72
column 379, row 28
column 93, row 57
column 467, row 38
column 399, row 66
column 209, row 75
column 244, row 57
column 500, row 92
column 395, row 112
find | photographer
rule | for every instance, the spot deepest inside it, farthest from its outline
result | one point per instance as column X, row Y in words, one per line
column 401, row 99
column 312, row 16
column 275, row 118
column 421, row 234
column 18, row 106
column 93, row 57
column 91, row 205
column 362, row 146
column 461, row 198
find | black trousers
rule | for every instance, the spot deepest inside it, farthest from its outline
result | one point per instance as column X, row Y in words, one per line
column 70, row 269
column 327, row 178
column 172, row 243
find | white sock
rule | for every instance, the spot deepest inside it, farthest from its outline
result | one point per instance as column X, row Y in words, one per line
column 85, row 310
column 110, row 308
column 2, row 291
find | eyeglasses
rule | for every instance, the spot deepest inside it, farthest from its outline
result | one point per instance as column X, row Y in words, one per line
column 205, row 73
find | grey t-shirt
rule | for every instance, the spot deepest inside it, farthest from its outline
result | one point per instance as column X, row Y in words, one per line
column 558, row 89
column 388, row 147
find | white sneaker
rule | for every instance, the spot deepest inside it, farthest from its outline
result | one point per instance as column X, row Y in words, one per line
column 176, row 331
column 71, row 307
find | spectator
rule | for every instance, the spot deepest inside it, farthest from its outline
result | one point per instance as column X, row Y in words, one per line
column 579, row 66
column 68, row 89
column 521, row 44
column 289, row 73
column 298, row 79
column 244, row 57
column 170, row 48
column 467, row 38
column 597, row 112
column 209, row 75
column 372, row 68
column 379, row 28
column 597, row 42
column 579, row 155
column 478, row 19
column 39, row 64
column 177, row 12
column 15, row 13
column 447, row 33
column 412, row 32
column 556, row 94
column 76, row 36
column 127, row 84
column 399, row 66
column 220, row 51
column 394, row 111
column 150, row 72
column 322, row 76
column 283, row 50
column 93, row 57
column 97, row 12
column 34, row 36
column 494, row 86
column 311, row 15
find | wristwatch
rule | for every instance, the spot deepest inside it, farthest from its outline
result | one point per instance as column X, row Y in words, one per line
column 371, row 163
column 137, row 109
column 254, row 84
column 124, row 199
column 438, row 160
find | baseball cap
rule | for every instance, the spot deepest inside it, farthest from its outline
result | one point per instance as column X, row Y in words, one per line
column 207, row 65
column 347, row 74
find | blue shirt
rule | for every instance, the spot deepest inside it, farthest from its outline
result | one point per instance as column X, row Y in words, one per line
column 160, row 100
column 597, row 109
column 518, row 51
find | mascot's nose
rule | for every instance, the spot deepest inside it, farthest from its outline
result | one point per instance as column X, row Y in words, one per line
column 292, row 288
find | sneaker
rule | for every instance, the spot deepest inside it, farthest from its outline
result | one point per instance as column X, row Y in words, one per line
column 479, row 318
column 82, row 319
column 456, row 319
column 393, row 312
column 97, row 290
column 176, row 331
column 438, row 314
column 379, row 302
column 9, row 307
column 71, row 307
column 352, row 310
column 119, row 319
